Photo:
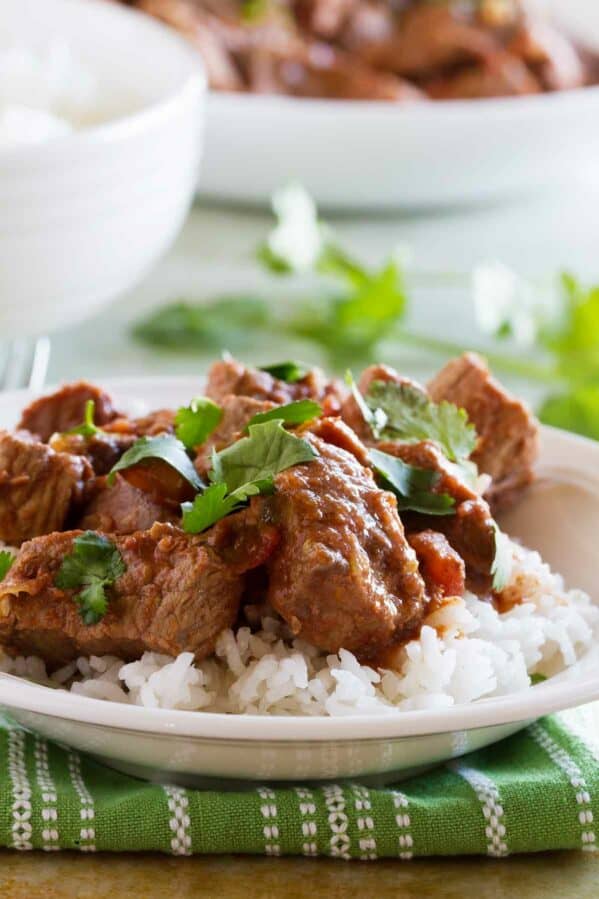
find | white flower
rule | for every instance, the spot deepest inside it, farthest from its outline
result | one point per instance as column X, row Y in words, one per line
column 298, row 237
column 504, row 300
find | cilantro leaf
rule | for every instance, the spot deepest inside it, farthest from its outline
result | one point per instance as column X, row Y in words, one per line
column 226, row 321
column 195, row 423
column 87, row 428
column 574, row 410
column 537, row 678
column 375, row 418
column 288, row 371
column 165, row 447
column 6, row 561
column 501, row 569
column 295, row 413
column 268, row 450
column 214, row 503
column 94, row 564
column 245, row 469
column 411, row 415
column 412, row 486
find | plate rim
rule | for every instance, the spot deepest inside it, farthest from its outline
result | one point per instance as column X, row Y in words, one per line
column 522, row 706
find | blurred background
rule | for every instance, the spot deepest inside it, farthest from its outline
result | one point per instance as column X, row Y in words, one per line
column 432, row 165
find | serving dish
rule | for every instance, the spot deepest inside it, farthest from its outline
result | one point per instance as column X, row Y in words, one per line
column 559, row 517
column 381, row 155
column 83, row 216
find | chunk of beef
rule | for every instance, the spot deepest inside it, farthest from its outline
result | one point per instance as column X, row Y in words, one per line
column 102, row 450
column 105, row 448
column 176, row 595
column 508, row 433
column 65, row 409
column 38, row 487
column 336, row 432
column 237, row 411
column 161, row 421
column 425, row 38
column 550, row 54
column 227, row 376
column 501, row 75
column 344, row 574
column 441, row 566
column 319, row 70
column 124, row 508
column 471, row 530
column 142, row 494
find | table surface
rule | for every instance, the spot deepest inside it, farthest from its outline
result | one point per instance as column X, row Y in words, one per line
column 213, row 255
column 66, row 876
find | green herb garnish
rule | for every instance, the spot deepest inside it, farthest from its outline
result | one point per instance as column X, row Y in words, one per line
column 94, row 564
column 87, row 428
column 165, row 447
column 244, row 469
column 360, row 311
column 289, row 371
column 216, row 503
column 375, row 418
column 195, row 423
column 411, row 415
column 501, row 569
column 537, row 678
column 6, row 562
column 228, row 321
column 268, row 450
column 295, row 413
column 412, row 486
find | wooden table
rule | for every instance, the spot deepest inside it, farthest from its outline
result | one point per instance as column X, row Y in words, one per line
column 72, row 876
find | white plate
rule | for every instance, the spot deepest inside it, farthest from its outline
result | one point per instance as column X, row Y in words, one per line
column 379, row 155
column 560, row 517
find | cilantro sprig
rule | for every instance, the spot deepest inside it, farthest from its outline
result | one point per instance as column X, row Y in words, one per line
column 94, row 565
column 245, row 469
column 268, row 450
column 413, row 486
column 360, row 311
column 87, row 428
column 411, row 415
column 196, row 422
column 216, row 503
column 295, row 413
column 165, row 447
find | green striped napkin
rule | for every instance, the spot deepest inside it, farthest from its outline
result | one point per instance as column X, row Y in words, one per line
column 536, row 791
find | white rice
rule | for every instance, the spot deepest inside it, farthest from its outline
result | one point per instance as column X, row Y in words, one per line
column 465, row 651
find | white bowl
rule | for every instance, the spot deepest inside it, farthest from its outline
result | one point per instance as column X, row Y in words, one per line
column 560, row 517
column 379, row 155
column 83, row 216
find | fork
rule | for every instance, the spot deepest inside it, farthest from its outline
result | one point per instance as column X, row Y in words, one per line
column 25, row 364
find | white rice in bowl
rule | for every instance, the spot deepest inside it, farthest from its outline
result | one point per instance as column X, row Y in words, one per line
column 465, row 651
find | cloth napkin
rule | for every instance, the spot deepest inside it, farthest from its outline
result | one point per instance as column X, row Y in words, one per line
column 538, row 790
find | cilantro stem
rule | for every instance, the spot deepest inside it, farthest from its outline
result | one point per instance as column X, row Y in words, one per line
column 523, row 368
